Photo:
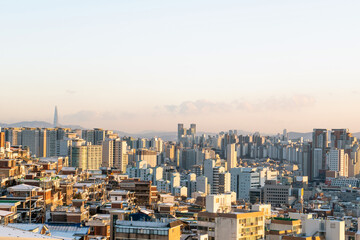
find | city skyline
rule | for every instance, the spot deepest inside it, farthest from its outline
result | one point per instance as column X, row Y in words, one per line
column 174, row 120
column 237, row 63
column 56, row 123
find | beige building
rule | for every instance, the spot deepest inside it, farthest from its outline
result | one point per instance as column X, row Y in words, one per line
column 220, row 203
column 240, row 226
column 265, row 208
column 149, row 156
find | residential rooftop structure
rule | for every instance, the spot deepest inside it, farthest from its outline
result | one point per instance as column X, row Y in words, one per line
column 147, row 230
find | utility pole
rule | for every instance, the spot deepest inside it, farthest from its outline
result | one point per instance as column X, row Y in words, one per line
column 30, row 208
column 44, row 206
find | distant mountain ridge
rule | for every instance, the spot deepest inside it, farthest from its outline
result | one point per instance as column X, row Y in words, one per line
column 296, row 135
column 37, row 124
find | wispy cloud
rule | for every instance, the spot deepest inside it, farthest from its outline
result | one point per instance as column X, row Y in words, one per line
column 82, row 116
column 291, row 103
column 70, row 91
column 97, row 116
column 199, row 106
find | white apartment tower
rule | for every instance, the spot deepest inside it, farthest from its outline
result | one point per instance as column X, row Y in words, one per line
column 337, row 161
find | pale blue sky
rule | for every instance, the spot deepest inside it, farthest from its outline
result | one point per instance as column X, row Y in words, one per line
column 146, row 65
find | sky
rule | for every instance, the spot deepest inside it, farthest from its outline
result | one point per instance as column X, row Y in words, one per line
column 140, row 65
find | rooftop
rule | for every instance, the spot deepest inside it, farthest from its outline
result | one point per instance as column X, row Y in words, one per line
column 27, row 226
column 5, row 213
column 142, row 224
column 284, row 219
column 23, row 188
column 7, row 232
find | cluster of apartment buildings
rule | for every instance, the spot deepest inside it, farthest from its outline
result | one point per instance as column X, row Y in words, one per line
column 64, row 183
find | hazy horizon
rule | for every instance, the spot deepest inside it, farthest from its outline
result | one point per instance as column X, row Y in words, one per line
column 137, row 65
column 186, row 125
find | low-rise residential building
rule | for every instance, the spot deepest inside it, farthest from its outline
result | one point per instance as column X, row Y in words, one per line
column 235, row 225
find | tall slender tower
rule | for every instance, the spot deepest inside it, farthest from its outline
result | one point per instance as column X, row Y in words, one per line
column 56, row 117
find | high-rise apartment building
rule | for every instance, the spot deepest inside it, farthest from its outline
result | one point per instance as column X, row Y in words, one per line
column 192, row 130
column 354, row 161
column 35, row 139
column 95, row 136
column 157, row 144
column 218, row 179
column 51, row 142
column 114, row 154
column 108, row 153
column 285, row 135
column 337, row 161
column 120, row 155
column 305, row 159
column 13, row 135
column 340, row 138
column 170, row 152
column 319, row 147
column 224, row 182
column 231, row 156
column 183, row 132
column 190, row 158
column 53, row 138
column 86, row 156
